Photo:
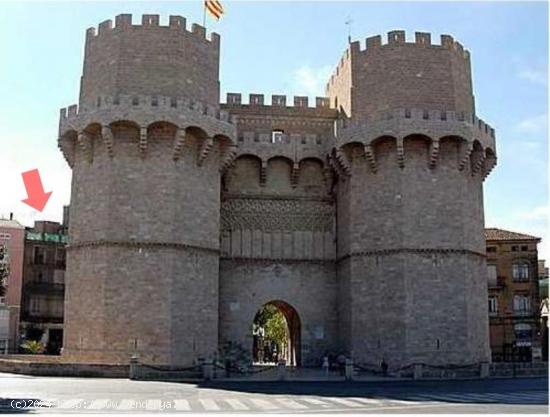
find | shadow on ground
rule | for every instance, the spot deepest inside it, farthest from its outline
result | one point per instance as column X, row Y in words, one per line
column 466, row 391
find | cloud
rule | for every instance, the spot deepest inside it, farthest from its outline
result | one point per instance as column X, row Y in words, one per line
column 535, row 124
column 311, row 81
column 536, row 76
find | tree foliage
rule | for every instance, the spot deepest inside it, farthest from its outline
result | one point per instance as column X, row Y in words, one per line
column 33, row 347
column 274, row 323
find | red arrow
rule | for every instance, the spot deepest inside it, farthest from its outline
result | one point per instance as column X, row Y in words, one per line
column 33, row 184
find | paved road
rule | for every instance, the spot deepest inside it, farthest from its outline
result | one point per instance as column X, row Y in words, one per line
column 86, row 395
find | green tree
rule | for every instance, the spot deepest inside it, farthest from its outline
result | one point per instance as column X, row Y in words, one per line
column 4, row 269
column 274, row 323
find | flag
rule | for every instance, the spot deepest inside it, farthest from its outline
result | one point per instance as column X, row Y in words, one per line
column 214, row 7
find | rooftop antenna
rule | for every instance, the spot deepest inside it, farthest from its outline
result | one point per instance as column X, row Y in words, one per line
column 348, row 22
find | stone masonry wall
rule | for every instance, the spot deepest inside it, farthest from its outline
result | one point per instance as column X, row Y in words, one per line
column 150, row 59
column 410, row 252
column 400, row 74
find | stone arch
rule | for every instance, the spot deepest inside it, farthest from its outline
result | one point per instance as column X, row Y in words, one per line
column 292, row 353
column 384, row 149
column 451, row 150
column 417, row 144
column 126, row 135
column 244, row 175
column 160, row 137
column 353, row 149
column 477, row 157
column 311, row 178
column 279, row 174
column 67, row 144
column 162, row 129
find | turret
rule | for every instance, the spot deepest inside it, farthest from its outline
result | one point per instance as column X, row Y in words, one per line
column 146, row 145
column 411, row 157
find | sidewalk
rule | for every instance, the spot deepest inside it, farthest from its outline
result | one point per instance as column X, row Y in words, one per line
column 301, row 375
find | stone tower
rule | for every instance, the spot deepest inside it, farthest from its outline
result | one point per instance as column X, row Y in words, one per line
column 146, row 144
column 411, row 157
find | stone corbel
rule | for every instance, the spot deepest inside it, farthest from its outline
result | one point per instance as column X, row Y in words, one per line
column 84, row 140
column 466, row 157
column 488, row 166
column 179, row 140
column 107, row 137
column 337, row 168
column 229, row 157
column 263, row 173
column 142, row 141
column 479, row 163
column 400, row 153
column 343, row 162
column 205, row 148
column 434, row 153
column 371, row 158
column 295, row 175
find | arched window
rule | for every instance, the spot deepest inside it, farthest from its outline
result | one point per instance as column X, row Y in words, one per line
column 520, row 271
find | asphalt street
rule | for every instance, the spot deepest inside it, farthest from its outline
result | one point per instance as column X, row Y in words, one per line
column 20, row 393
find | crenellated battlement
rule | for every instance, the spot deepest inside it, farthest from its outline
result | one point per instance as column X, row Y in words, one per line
column 397, row 38
column 255, row 99
column 159, row 103
column 123, row 22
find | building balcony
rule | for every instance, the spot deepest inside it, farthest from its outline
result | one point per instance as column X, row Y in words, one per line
column 40, row 318
column 44, row 288
column 522, row 313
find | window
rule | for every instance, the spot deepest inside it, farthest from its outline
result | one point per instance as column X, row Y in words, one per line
column 493, row 305
column 524, row 248
column 514, row 248
column 522, row 305
column 5, row 236
column 34, row 306
column 277, row 136
column 491, row 249
column 520, row 271
column 39, row 255
column 492, row 275
column 60, row 257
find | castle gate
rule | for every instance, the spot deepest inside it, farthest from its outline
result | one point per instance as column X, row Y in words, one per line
column 276, row 334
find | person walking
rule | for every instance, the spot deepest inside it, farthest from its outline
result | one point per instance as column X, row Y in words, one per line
column 384, row 367
column 325, row 366
column 341, row 363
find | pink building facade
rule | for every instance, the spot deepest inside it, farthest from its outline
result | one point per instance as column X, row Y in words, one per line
column 12, row 237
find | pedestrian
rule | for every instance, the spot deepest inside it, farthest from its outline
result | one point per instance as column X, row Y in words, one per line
column 341, row 363
column 384, row 367
column 325, row 366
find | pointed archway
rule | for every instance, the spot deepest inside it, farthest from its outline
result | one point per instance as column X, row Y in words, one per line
column 277, row 334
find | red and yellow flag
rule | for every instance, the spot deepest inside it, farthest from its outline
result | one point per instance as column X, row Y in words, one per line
column 214, row 7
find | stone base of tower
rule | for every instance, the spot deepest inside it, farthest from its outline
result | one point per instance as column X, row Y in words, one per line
column 154, row 301
column 440, row 319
